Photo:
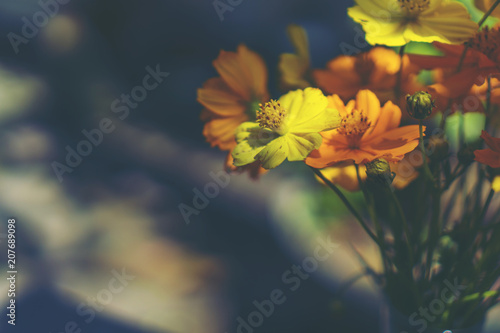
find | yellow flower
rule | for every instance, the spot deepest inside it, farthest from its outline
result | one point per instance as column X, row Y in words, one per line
column 285, row 129
column 397, row 22
column 295, row 67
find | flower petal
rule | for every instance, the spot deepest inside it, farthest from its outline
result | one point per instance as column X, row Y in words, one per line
column 449, row 23
column 488, row 157
column 251, row 139
column 390, row 117
column 274, row 153
column 220, row 99
column 244, row 72
column 324, row 121
column 369, row 103
column 493, row 143
column 301, row 145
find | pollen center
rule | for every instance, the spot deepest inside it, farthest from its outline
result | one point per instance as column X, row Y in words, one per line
column 414, row 7
column 354, row 125
column 271, row 115
column 487, row 41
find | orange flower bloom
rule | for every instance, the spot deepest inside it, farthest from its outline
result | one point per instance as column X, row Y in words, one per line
column 482, row 59
column 368, row 132
column 375, row 70
column 232, row 98
column 490, row 157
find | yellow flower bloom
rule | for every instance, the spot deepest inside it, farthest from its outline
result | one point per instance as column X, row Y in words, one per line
column 285, row 129
column 397, row 22
column 295, row 67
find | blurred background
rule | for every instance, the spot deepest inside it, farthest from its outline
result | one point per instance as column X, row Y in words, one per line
column 101, row 242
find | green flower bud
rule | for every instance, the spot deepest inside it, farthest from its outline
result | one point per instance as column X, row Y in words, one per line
column 379, row 171
column 419, row 105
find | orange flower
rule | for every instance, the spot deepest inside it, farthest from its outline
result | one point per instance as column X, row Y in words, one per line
column 490, row 157
column 375, row 70
column 367, row 132
column 232, row 98
column 481, row 60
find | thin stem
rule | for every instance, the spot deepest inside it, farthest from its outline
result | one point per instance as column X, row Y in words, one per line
column 488, row 13
column 427, row 171
column 346, row 202
column 399, row 77
column 373, row 215
column 485, row 207
column 405, row 225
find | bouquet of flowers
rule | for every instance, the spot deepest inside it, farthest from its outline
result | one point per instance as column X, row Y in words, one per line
column 415, row 133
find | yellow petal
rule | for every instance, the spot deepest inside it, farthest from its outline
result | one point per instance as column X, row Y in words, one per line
column 450, row 23
column 379, row 30
column 294, row 67
column 251, row 140
column 274, row 153
column 306, row 105
column 324, row 121
column 301, row 145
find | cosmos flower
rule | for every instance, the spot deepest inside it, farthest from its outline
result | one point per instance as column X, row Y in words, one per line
column 285, row 129
column 367, row 132
column 397, row 22
column 233, row 98
column 375, row 70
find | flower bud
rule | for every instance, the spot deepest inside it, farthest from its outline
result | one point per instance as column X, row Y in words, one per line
column 379, row 171
column 419, row 105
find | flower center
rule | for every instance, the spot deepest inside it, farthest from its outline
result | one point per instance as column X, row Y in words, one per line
column 414, row 7
column 487, row 41
column 354, row 125
column 271, row 116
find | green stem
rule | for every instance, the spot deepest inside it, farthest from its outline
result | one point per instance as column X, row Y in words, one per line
column 485, row 207
column 488, row 13
column 399, row 77
column 373, row 215
column 427, row 170
column 346, row 202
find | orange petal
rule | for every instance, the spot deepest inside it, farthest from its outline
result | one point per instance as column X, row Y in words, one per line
column 218, row 98
column 256, row 70
column 493, row 143
column 488, row 157
column 369, row 103
column 220, row 131
column 244, row 72
column 390, row 117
